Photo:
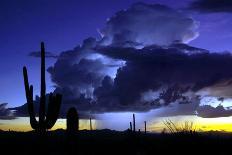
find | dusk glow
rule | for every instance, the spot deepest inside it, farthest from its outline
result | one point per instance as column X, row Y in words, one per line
column 81, row 69
column 123, row 70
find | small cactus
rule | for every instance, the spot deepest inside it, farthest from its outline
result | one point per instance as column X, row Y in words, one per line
column 72, row 120
column 90, row 124
column 130, row 126
column 145, row 127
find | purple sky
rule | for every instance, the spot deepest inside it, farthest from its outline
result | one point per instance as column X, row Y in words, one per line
column 64, row 24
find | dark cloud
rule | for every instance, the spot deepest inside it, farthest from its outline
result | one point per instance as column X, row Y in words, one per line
column 208, row 111
column 78, row 72
column 84, row 74
column 167, row 71
column 147, row 24
column 37, row 54
column 81, row 70
column 221, row 90
column 204, row 111
column 140, row 64
column 176, row 70
column 175, row 109
column 211, row 6
column 5, row 113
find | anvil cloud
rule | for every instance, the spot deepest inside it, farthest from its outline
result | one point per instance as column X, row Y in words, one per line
column 147, row 24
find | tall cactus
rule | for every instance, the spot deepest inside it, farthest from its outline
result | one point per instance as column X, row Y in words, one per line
column 47, row 119
column 134, row 123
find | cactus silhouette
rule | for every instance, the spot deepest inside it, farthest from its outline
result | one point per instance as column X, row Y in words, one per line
column 134, row 123
column 90, row 124
column 47, row 119
column 130, row 126
column 145, row 127
column 72, row 120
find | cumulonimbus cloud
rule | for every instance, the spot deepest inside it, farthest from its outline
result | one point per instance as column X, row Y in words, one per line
column 169, row 73
column 113, row 74
column 147, row 24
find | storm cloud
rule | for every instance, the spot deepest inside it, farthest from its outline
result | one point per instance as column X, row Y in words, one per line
column 146, row 24
column 5, row 113
column 113, row 74
column 210, row 6
column 152, row 77
column 141, row 63
column 208, row 111
column 171, row 69
column 81, row 70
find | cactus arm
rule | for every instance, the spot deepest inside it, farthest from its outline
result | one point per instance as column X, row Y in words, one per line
column 43, row 88
column 50, row 112
column 29, row 96
column 53, row 110
column 33, row 121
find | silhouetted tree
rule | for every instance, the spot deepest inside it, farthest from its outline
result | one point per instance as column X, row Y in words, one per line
column 72, row 120
column 47, row 119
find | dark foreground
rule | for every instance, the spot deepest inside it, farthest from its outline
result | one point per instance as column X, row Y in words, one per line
column 113, row 142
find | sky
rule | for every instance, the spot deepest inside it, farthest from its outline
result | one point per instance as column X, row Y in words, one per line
column 66, row 23
column 188, row 26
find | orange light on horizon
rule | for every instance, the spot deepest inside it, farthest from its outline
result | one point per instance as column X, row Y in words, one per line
column 155, row 125
column 22, row 124
column 200, row 124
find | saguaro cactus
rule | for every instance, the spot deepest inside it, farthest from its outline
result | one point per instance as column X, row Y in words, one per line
column 72, row 120
column 130, row 126
column 47, row 119
column 134, row 123
column 90, row 124
column 145, row 127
